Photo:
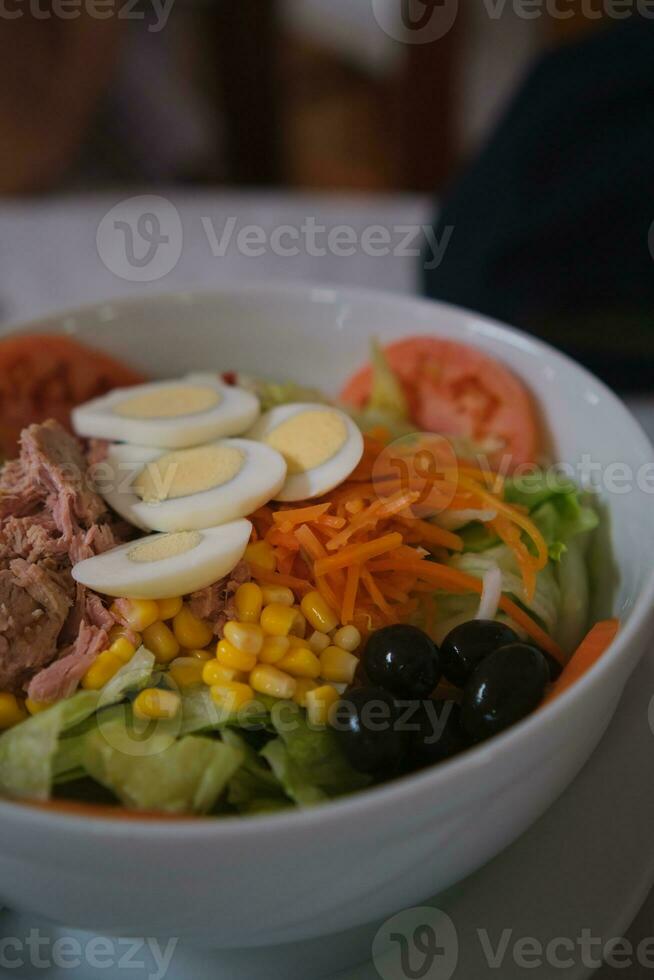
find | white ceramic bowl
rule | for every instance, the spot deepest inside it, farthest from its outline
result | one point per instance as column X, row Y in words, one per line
column 232, row 883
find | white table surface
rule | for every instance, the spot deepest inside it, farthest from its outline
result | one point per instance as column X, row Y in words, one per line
column 49, row 261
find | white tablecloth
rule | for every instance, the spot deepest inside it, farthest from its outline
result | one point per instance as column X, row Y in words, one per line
column 49, row 260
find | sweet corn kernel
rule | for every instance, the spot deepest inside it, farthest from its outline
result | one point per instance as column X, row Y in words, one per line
column 277, row 620
column 296, row 642
column 11, row 710
column 186, row 671
column 318, row 641
column 248, row 602
column 274, row 648
column 123, row 649
column 168, row 608
column 269, row 680
column 191, row 632
column 232, row 696
column 153, row 703
column 137, row 614
column 299, row 626
column 213, row 672
column 34, row 707
column 277, row 593
column 261, row 553
column 347, row 638
column 229, row 656
column 301, row 662
column 302, row 688
column 246, row 637
column 200, row 654
column 319, row 703
column 161, row 641
column 118, row 632
column 338, row 665
column 101, row 671
column 319, row 614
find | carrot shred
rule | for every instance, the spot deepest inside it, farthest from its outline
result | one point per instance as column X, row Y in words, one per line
column 276, row 578
column 300, row 515
column 589, row 651
column 374, row 592
column 350, row 593
column 359, row 552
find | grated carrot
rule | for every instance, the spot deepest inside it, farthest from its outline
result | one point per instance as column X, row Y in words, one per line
column 350, row 594
column 300, row 515
column 359, row 552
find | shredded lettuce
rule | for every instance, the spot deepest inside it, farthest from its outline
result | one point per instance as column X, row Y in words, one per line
column 254, row 787
column 558, row 508
column 271, row 394
column 184, row 776
column 546, row 602
column 387, row 405
column 28, row 752
column 308, row 761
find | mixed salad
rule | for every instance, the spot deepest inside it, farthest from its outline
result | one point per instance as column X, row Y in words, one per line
column 225, row 595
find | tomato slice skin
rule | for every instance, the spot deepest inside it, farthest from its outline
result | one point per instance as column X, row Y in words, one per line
column 45, row 375
column 457, row 390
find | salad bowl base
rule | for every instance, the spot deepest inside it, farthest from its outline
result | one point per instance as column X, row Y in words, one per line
column 588, row 863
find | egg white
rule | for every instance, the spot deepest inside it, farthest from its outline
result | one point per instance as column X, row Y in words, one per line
column 261, row 477
column 114, row 573
column 234, row 414
column 320, row 479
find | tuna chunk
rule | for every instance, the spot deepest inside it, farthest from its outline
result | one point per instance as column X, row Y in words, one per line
column 50, row 518
column 60, row 679
column 34, row 604
column 216, row 602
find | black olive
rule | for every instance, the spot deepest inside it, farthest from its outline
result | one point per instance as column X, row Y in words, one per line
column 436, row 732
column 366, row 724
column 404, row 660
column 466, row 645
column 506, row 686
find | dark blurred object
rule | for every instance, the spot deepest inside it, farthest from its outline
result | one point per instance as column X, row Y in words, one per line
column 553, row 223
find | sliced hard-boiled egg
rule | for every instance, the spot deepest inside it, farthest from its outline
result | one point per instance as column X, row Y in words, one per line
column 168, row 414
column 321, row 446
column 190, row 489
column 161, row 566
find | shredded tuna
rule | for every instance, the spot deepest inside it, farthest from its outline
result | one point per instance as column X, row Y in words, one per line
column 215, row 603
column 50, row 518
column 60, row 678
column 34, row 604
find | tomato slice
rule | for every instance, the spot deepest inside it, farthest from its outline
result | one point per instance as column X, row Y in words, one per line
column 458, row 391
column 45, row 375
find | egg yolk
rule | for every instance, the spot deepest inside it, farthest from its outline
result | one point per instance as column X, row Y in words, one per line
column 169, row 403
column 188, row 471
column 308, row 439
column 165, row 546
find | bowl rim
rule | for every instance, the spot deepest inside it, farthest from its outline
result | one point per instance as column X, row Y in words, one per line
column 35, row 816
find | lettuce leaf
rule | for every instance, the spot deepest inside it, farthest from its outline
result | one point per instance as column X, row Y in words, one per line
column 28, row 752
column 307, row 761
column 254, row 787
column 387, row 405
column 558, row 508
column 184, row 776
column 546, row 602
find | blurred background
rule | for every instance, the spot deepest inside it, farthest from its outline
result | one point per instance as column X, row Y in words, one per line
column 523, row 127
column 308, row 94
